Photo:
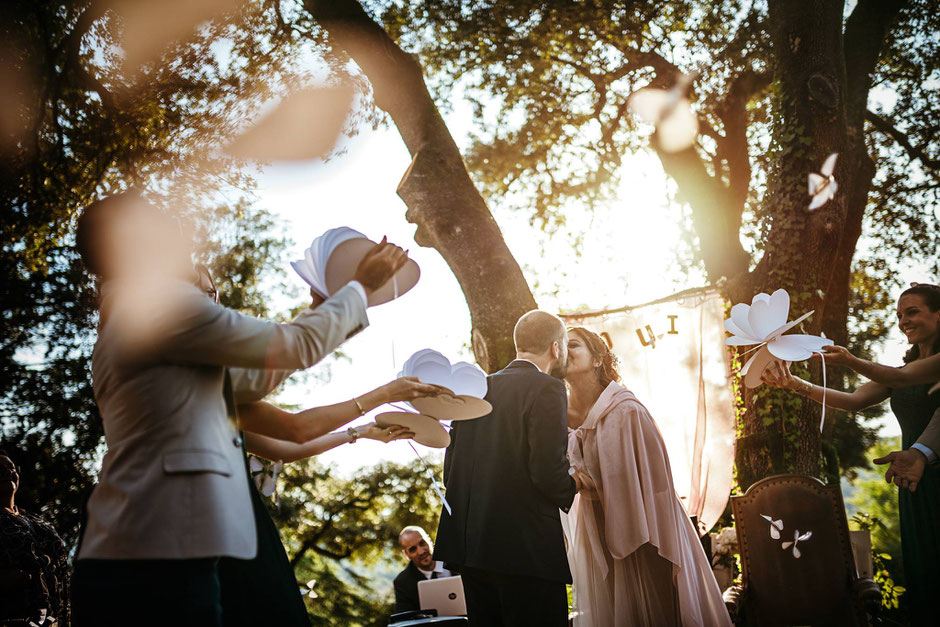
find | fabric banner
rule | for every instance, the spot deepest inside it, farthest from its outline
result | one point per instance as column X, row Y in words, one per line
column 673, row 358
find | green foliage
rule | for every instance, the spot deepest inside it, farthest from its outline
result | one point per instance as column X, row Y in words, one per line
column 340, row 531
column 549, row 83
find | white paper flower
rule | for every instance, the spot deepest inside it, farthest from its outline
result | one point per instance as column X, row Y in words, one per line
column 823, row 186
column 466, row 381
column 463, row 378
column 669, row 111
column 763, row 323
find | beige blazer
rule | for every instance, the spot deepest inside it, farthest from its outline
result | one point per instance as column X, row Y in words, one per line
column 172, row 482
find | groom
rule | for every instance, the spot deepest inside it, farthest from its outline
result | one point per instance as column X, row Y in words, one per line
column 506, row 477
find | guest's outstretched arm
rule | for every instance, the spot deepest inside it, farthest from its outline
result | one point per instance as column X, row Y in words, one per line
column 915, row 373
column 779, row 375
column 280, row 450
column 303, row 426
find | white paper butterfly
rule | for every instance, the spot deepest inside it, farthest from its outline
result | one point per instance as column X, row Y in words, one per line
column 265, row 479
column 309, row 591
column 823, row 186
column 669, row 111
column 797, row 538
column 776, row 526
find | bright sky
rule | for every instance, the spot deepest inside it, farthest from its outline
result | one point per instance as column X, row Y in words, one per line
column 628, row 258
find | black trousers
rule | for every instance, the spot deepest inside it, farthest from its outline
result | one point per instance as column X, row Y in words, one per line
column 112, row 593
column 500, row 600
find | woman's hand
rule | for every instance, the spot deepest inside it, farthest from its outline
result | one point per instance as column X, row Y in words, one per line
column 838, row 356
column 778, row 375
column 372, row 431
column 410, row 388
column 585, row 485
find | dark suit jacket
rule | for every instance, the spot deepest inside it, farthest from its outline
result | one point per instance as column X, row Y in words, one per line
column 506, row 477
column 406, row 589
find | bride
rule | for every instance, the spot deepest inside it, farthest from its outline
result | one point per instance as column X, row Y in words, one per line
column 634, row 555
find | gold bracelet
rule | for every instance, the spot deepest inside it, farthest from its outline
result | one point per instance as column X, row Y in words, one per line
column 362, row 412
column 352, row 433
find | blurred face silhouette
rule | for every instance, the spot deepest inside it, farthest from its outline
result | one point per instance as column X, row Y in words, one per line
column 144, row 243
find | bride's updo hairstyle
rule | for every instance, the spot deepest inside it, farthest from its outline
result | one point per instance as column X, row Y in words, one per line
column 606, row 371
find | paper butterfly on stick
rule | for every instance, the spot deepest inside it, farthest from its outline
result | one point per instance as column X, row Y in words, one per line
column 669, row 111
column 823, row 186
column 797, row 538
column 776, row 526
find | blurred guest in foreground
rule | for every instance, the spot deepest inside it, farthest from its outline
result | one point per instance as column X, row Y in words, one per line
column 171, row 497
column 34, row 572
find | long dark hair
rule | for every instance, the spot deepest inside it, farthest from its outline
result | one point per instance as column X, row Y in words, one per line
column 931, row 295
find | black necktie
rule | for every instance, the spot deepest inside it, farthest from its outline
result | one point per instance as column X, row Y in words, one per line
column 435, row 575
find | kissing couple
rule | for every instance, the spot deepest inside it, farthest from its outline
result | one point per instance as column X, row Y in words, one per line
column 566, row 440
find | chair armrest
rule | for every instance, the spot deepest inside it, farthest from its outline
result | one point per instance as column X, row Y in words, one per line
column 868, row 595
column 733, row 598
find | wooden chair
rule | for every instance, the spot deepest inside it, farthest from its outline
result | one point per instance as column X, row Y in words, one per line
column 796, row 557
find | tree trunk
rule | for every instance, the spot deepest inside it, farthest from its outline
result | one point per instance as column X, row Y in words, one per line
column 442, row 200
column 780, row 432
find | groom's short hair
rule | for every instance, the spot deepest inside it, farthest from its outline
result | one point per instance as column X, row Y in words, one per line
column 536, row 331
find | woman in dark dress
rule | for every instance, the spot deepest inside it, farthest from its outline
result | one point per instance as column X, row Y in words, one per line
column 264, row 590
column 918, row 315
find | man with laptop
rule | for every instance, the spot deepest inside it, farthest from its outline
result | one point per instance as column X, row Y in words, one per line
column 411, row 593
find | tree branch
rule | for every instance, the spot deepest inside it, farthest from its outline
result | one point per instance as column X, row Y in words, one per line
column 72, row 46
column 902, row 139
column 734, row 149
column 865, row 34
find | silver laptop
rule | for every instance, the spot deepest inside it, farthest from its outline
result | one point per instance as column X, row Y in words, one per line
column 444, row 595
